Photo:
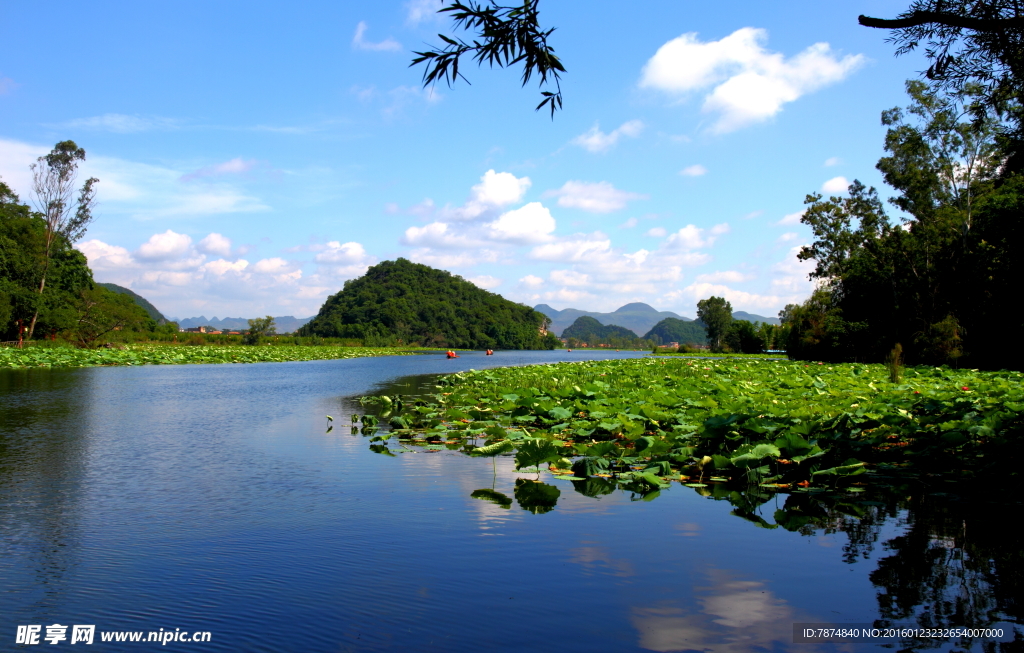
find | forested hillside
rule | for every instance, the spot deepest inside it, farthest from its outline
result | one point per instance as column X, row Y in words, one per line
column 587, row 329
column 673, row 330
column 151, row 310
column 404, row 303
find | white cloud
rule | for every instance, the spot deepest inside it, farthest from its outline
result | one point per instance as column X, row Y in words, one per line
column 418, row 11
column 835, row 185
column 531, row 281
column 791, row 218
column 743, row 82
column 695, row 170
column 573, row 248
column 693, row 237
column 531, row 223
column 594, row 140
column 485, row 281
column 495, row 190
column 233, row 167
column 600, row 197
column 179, row 279
column 832, row 161
column 727, row 276
column 438, row 234
column 7, row 85
column 122, row 124
column 628, row 224
column 343, row 254
column 787, row 237
column 164, row 246
column 360, row 43
column 657, row 232
column 215, row 244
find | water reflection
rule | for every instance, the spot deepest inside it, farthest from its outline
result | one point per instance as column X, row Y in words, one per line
column 735, row 615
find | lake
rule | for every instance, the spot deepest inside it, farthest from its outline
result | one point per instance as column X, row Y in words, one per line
column 211, row 498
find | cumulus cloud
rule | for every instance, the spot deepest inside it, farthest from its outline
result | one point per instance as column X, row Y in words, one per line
column 215, row 244
column 693, row 237
column 743, row 83
column 531, row 223
column 657, row 232
column 695, row 170
column 495, row 190
column 600, row 197
column 164, row 246
column 531, row 281
column 485, row 281
column 595, row 140
column 182, row 278
column 360, row 43
column 835, row 185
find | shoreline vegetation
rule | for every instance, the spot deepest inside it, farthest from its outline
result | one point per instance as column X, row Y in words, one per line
column 747, row 424
column 184, row 354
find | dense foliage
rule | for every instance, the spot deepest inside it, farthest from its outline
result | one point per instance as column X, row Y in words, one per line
column 404, row 303
column 680, row 331
column 150, row 354
column 588, row 330
column 943, row 283
column 72, row 305
column 781, row 425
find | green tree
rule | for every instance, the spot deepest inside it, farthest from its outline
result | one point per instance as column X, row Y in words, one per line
column 22, row 249
column 259, row 328
column 743, row 336
column 101, row 312
column 716, row 314
column 53, row 188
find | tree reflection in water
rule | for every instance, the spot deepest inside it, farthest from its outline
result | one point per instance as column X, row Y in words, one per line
column 955, row 563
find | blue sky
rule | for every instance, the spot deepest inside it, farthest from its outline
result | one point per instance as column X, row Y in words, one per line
column 253, row 156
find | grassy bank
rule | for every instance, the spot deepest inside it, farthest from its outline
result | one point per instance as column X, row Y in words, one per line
column 643, row 423
column 167, row 354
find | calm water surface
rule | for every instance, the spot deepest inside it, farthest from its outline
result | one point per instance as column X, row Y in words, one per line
column 210, row 498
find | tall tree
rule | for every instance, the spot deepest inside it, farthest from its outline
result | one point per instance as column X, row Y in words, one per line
column 53, row 187
column 716, row 314
column 506, row 36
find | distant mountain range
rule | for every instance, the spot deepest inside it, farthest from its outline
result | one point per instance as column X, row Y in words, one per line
column 284, row 324
column 637, row 317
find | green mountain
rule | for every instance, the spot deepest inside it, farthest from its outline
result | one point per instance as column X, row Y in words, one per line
column 673, row 330
column 590, row 330
column 637, row 317
column 138, row 299
column 400, row 302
